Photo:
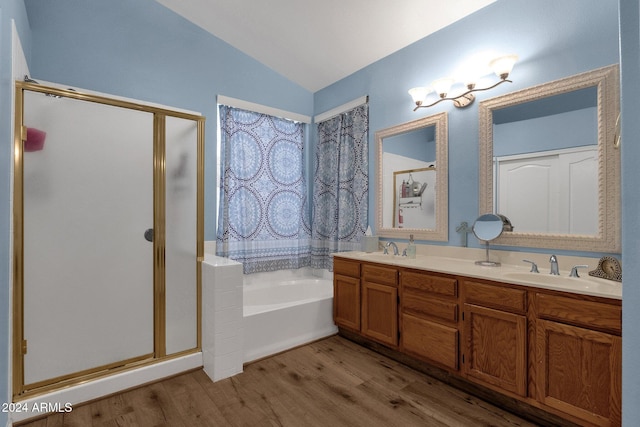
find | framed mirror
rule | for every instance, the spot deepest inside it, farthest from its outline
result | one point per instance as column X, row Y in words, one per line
column 549, row 161
column 412, row 180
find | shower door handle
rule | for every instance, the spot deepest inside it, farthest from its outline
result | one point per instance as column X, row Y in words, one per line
column 148, row 234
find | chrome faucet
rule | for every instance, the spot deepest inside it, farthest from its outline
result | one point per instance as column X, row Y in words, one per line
column 574, row 270
column 554, row 265
column 464, row 230
column 393, row 245
column 534, row 266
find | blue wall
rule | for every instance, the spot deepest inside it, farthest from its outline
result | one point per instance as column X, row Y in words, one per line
column 418, row 144
column 630, row 105
column 565, row 130
column 139, row 49
column 554, row 39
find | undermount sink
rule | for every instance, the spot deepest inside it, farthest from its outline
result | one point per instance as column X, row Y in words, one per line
column 583, row 282
column 381, row 256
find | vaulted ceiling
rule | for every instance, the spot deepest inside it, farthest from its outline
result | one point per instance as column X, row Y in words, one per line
column 315, row 43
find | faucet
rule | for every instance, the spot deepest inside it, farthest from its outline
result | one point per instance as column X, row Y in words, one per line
column 393, row 245
column 554, row 265
column 574, row 270
column 534, row 266
column 464, row 229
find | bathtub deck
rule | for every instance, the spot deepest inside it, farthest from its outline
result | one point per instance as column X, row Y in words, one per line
column 332, row 382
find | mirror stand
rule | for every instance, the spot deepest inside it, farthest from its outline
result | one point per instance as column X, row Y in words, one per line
column 486, row 262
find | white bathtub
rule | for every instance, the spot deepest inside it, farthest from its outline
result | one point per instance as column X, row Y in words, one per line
column 285, row 309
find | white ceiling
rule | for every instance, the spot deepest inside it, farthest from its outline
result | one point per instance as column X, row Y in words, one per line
column 317, row 42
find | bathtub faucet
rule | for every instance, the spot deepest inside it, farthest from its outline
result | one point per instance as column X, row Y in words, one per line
column 393, row 245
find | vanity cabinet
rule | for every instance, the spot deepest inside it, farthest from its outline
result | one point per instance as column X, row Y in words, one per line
column 380, row 304
column 579, row 357
column 346, row 292
column 495, row 331
column 556, row 351
column 429, row 318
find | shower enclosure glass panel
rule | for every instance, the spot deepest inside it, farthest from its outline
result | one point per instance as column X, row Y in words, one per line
column 88, row 270
column 181, row 196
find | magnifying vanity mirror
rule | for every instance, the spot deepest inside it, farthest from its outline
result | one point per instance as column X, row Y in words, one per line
column 412, row 190
column 549, row 162
column 487, row 228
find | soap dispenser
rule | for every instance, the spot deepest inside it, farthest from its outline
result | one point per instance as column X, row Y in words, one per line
column 411, row 248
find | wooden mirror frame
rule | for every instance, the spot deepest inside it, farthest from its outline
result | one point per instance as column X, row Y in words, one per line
column 608, row 238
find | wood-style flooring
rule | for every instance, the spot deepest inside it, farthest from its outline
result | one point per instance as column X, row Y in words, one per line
column 328, row 383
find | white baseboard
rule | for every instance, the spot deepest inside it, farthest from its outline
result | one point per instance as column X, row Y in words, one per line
column 63, row 400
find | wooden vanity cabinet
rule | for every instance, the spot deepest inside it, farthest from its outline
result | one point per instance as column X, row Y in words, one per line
column 579, row 357
column 346, row 292
column 556, row 351
column 380, row 304
column 495, row 334
column 429, row 318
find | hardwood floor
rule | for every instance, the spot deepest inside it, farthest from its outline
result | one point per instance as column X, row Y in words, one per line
column 332, row 382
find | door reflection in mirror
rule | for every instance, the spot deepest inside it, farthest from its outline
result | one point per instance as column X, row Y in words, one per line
column 546, row 163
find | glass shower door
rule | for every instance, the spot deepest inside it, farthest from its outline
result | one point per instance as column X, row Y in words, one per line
column 181, row 237
column 88, row 269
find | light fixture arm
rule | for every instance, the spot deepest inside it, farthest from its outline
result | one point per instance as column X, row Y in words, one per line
column 463, row 95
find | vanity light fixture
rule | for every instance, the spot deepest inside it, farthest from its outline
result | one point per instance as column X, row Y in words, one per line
column 502, row 66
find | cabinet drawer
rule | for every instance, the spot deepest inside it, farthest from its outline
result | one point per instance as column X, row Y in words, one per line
column 431, row 341
column 446, row 286
column 503, row 298
column 425, row 307
column 379, row 274
column 590, row 314
column 346, row 267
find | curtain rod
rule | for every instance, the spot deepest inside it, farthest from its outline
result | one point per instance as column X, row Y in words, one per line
column 264, row 109
column 340, row 109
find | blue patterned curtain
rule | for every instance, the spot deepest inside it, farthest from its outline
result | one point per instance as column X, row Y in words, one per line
column 341, row 185
column 261, row 220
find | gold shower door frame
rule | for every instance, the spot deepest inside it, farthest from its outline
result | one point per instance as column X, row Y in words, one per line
column 159, row 354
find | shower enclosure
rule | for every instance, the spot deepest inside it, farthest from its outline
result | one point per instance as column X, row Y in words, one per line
column 108, row 236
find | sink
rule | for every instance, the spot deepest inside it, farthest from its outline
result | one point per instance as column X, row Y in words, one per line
column 380, row 256
column 584, row 282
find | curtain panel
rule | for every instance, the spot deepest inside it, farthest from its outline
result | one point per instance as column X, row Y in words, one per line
column 261, row 220
column 340, row 186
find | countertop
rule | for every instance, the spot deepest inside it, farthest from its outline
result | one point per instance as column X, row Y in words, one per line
column 506, row 273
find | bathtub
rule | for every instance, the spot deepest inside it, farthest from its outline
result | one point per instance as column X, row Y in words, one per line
column 285, row 309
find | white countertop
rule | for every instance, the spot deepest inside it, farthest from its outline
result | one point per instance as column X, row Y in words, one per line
column 507, row 273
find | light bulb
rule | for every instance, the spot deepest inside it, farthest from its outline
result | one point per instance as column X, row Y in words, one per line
column 442, row 86
column 503, row 65
column 419, row 94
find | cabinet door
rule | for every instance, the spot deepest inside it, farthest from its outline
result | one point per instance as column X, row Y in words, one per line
column 430, row 341
column 346, row 302
column 579, row 371
column 380, row 313
column 496, row 348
